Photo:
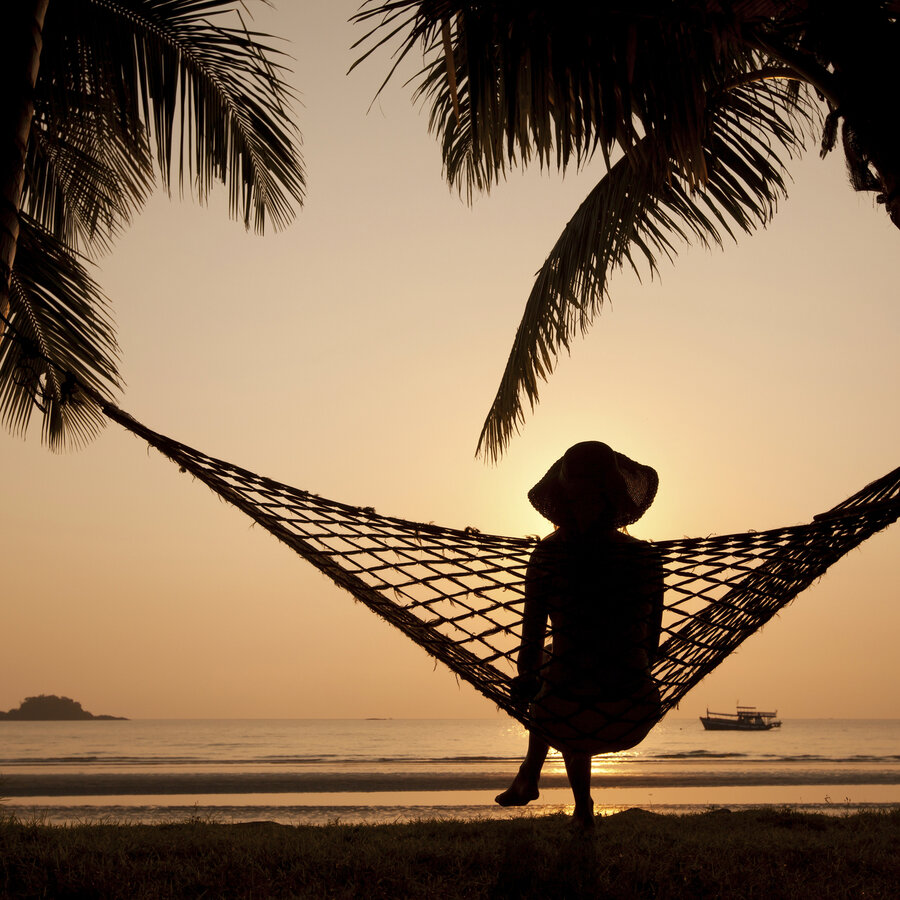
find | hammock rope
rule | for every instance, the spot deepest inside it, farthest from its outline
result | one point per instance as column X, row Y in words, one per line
column 459, row 594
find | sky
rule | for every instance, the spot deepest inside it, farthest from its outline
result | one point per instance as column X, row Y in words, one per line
column 356, row 354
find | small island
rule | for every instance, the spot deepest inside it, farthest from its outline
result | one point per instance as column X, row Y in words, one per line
column 50, row 708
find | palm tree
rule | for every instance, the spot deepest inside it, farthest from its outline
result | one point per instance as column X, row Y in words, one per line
column 100, row 98
column 695, row 107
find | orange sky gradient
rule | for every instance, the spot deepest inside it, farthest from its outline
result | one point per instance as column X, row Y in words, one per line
column 356, row 354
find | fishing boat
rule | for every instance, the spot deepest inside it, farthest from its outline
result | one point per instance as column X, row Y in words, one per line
column 747, row 718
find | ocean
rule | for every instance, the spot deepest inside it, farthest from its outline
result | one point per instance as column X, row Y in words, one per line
column 318, row 771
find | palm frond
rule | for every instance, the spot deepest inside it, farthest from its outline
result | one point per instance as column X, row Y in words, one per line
column 637, row 214
column 58, row 335
column 85, row 176
column 556, row 81
column 211, row 97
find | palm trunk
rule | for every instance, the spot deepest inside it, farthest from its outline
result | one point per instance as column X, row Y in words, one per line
column 862, row 47
column 860, row 82
column 20, row 54
column 875, row 131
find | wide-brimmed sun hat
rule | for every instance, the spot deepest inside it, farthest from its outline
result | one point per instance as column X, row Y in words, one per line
column 599, row 479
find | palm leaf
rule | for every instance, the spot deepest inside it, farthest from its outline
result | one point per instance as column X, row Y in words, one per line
column 554, row 82
column 85, row 178
column 211, row 97
column 674, row 91
column 118, row 80
column 636, row 214
column 58, row 334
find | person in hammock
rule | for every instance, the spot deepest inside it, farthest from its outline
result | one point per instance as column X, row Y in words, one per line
column 589, row 686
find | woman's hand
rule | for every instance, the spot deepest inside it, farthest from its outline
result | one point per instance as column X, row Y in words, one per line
column 522, row 690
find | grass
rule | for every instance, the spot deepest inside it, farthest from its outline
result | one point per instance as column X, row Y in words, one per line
column 759, row 853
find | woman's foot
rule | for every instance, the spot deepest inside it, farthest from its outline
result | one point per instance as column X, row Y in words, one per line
column 583, row 816
column 519, row 793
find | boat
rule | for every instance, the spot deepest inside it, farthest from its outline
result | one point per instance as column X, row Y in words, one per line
column 747, row 718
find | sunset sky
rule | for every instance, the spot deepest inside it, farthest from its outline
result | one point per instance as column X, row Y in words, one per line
column 356, row 354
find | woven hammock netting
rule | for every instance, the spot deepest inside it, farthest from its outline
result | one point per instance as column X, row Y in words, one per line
column 459, row 594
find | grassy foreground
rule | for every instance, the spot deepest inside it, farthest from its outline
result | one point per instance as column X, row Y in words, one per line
column 760, row 853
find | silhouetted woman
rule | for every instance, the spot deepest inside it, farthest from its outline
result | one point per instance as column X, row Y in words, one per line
column 601, row 590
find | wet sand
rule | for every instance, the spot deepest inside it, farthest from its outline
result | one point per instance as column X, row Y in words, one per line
column 79, row 784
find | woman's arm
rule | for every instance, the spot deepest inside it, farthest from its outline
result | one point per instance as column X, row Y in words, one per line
column 530, row 658
column 656, row 590
column 534, row 617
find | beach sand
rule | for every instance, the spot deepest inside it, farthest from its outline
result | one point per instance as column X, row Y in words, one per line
column 362, row 796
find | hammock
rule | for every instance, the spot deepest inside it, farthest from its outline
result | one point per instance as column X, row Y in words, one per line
column 459, row 594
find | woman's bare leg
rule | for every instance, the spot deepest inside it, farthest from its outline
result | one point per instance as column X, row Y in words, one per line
column 524, row 788
column 578, row 768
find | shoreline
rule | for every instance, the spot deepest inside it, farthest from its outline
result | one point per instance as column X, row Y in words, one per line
column 390, row 807
column 82, row 784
